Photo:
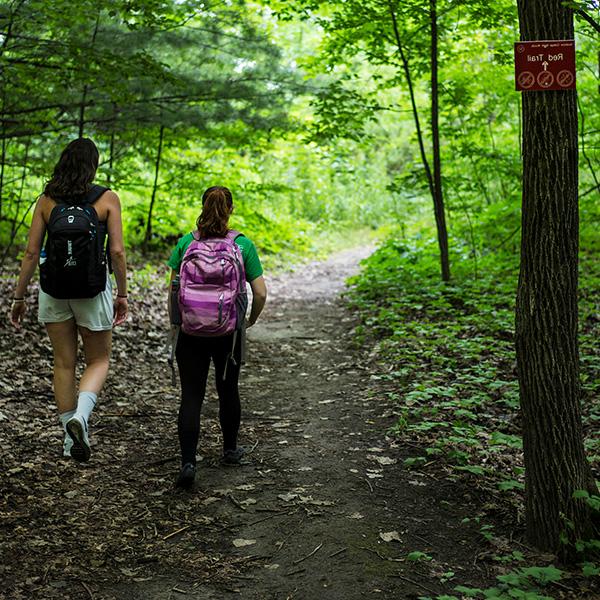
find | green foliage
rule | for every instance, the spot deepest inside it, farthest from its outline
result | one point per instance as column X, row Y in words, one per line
column 217, row 84
column 590, row 569
column 523, row 584
column 591, row 500
column 453, row 355
column 514, row 556
column 417, row 556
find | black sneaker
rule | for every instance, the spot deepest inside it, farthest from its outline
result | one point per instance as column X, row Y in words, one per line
column 233, row 457
column 186, row 476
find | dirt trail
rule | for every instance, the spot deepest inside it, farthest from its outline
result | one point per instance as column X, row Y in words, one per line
column 304, row 518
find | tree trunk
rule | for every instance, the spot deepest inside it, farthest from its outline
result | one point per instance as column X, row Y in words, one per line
column 86, row 87
column 2, row 164
column 148, row 235
column 3, row 46
column 438, row 196
column 546, row 312
column 437, row 207
column 111, row 156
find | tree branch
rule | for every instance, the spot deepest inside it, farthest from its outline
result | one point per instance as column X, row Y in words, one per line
column 589, row 19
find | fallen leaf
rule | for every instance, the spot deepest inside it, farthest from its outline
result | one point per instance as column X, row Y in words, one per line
column 390, row 536
column 287, row 497
column 240, row 543
column 246, row 487
column 382, row 460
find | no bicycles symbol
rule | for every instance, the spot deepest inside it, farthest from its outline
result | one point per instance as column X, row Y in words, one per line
column 545, row 65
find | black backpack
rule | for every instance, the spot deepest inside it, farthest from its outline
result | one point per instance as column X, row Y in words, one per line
column 75, row 264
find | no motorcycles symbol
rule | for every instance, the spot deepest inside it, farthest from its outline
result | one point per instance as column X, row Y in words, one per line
column 543, row 65
column 526, row 79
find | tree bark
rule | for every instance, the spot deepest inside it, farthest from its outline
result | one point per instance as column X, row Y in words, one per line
column 148, row 235
column 439, row 212
column 86, row 87
column 438, row 197
column 111, row 150
column 546, row 311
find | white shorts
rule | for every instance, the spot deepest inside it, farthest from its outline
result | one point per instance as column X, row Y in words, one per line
column 95, row 314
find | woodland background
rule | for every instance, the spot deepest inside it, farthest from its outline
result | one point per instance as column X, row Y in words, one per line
column 318, row 116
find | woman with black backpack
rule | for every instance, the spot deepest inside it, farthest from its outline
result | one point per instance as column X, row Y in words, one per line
column 68, row 236
column 210, row 267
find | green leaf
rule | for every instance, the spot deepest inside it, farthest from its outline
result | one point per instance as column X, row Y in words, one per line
column 468, row 592
column 543, row 575
column 416, row 555
column 471, row 469
column 510, row 484
column 590, row 569
column 581, row 494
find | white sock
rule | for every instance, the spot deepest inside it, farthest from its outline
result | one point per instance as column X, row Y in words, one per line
column 64, row 417
column 85, row 404
column 67, row 442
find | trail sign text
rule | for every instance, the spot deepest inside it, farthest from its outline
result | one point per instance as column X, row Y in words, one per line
column 545, row 65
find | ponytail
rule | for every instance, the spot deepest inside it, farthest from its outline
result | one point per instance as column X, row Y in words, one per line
column 217, row 203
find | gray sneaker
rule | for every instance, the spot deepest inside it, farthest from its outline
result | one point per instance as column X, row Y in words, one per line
column 77, row 429
column 67, row 445
column 233, row 456
column 186, row 476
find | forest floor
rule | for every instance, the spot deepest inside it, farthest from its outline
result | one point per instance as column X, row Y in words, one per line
column 321, row 508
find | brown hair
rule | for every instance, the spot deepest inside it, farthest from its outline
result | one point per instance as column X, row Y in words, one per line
column 217, row 203
column 74, row 171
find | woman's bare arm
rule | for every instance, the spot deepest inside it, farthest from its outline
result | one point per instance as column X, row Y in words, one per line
column 117, row 255
column 29, row 262
column 259, row 297
column 117, row 246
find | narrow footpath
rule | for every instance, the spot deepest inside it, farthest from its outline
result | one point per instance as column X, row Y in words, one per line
column 322, row 508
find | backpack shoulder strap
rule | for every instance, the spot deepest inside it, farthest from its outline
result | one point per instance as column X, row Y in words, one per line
column 94, row 194
column 232, row 234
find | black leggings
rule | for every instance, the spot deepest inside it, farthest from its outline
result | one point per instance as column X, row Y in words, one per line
column 193, row 359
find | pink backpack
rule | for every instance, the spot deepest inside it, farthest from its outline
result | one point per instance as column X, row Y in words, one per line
column 212, row 287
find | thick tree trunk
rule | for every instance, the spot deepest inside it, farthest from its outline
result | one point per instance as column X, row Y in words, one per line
column 148, row 235
column 546, row 314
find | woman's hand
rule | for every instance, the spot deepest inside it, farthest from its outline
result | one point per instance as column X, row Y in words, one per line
column 121, row 311
column 18, row 310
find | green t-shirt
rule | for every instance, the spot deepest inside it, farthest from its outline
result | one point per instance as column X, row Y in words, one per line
column 249, row 255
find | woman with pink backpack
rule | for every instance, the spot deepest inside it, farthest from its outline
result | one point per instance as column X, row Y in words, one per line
column 210, row 267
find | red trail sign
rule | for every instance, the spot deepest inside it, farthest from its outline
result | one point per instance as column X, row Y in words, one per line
column 545, row 65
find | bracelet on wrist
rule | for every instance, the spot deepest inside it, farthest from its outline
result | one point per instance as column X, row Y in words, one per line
column 18, row 299
column 122, row 296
